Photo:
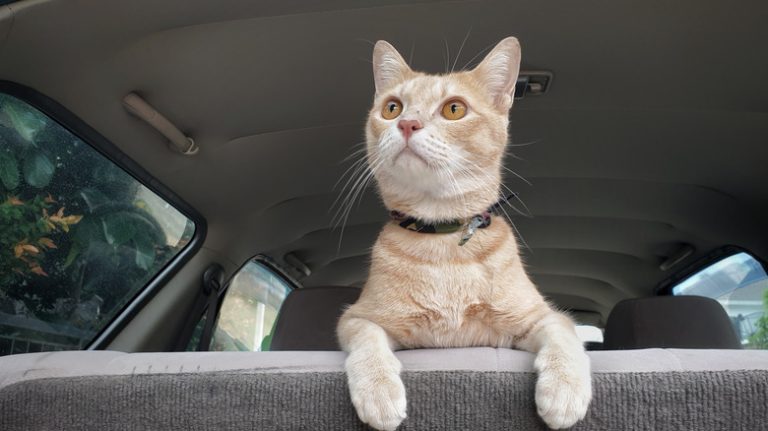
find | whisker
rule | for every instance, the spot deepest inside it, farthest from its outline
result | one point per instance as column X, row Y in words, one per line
column 527, row 212
column 517, row 231
column 516, row 174
column 345, row 195
column 354, row 153
column 447, row 55
column 354, row 168
column 460, row 48
column 524, row 144
column 351, row 172
column 360, row 39
column 483, row 51
column 359, row 187
column 358, row 170
column 474, row 177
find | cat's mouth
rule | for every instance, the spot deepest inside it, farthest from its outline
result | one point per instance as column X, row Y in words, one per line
column 408, row 152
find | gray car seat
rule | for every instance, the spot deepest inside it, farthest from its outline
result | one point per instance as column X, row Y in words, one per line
column 308, row 317
column 687, row 322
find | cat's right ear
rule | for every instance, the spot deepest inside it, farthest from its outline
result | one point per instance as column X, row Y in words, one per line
column 499, row 70
column 389, row 67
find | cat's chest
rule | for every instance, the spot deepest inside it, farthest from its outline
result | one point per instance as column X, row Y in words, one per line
column 442, row 294
column 450, row 309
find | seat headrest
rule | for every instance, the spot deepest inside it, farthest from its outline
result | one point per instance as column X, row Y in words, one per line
column 686, row 322
column 308, row 317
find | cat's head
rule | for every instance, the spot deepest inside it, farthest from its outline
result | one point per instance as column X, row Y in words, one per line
column 436, row 142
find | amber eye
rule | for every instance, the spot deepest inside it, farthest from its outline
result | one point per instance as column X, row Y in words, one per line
column 454, row 110
column 391, row 109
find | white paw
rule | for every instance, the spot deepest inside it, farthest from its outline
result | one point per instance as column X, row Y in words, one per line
column 563, row 390
column 379, row 398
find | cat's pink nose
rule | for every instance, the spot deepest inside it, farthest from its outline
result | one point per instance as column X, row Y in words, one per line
column 408, row 127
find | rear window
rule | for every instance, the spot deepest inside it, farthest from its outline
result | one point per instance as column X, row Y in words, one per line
column 79, row 236
column 740, row 284
column 249, row 311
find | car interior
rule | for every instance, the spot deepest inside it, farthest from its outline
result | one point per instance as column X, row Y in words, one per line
column 635, row 174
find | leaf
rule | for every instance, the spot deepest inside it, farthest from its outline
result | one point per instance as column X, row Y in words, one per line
column 72, row 219
column 74, row 252
column 39, row 271
column 46, row 242
column 25, row 120
column 122, row 227
column 118, row 229
column 13, row 200
column 145, row 253
column 29, row 248
column 89, row 231
column 38, row 170
column 9, row 170
column 94, row 198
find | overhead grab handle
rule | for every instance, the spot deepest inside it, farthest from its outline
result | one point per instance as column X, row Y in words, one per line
column 140, row 108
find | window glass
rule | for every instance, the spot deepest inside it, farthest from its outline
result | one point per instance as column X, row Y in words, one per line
column 249, row 310
column 589, row 333
column 739, row 282
column 79, row 237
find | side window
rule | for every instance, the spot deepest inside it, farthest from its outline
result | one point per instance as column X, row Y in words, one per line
column 79, row 237
column 739, row 282
column 249, row 310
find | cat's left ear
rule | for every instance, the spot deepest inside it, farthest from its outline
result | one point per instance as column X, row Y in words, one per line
column 498, row 72
column 389, row 67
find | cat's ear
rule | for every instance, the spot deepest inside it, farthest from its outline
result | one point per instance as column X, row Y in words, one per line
column 498, row 72
column 389, row 68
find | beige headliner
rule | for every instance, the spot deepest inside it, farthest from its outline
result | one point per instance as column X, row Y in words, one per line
column 653, row 134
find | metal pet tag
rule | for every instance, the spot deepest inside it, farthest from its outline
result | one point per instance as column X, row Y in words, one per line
column 472, row 226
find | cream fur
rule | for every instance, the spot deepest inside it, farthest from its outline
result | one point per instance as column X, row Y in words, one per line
column 426, row 290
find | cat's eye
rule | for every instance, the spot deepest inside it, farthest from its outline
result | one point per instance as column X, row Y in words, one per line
column 454, row 110
column 391, row 109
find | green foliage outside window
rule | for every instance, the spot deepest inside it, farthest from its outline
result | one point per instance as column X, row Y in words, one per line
column 759, row 340
column 78, row 235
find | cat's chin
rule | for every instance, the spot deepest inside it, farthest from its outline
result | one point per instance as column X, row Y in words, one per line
column 410, row 159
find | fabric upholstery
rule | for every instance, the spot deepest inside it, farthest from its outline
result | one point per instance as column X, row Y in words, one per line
column 445, row 389
column 669, row 322
column 31, row 366
column 439, row 400
column 308, row 317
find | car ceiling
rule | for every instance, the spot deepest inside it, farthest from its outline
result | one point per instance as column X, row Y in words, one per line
column 653, row 134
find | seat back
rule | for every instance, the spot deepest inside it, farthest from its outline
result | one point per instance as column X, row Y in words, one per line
column 308, row 317
column 686, row 322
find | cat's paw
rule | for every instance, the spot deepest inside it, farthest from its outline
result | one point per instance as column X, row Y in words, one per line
column 563, row 389
column 379, row 398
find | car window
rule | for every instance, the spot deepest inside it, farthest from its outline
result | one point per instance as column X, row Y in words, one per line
column 79, row 236
column 589, row 333
column 738, row 282
column 249, row 309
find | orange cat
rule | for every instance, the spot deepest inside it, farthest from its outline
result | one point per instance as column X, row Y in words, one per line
column 435, row 145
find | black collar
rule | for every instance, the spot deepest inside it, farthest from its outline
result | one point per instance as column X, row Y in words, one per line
column 469, row 225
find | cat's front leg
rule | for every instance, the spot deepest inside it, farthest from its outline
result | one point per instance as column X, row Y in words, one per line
column 564, row 384
column 373, row 373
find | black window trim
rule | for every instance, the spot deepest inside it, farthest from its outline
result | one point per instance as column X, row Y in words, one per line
column 664, row 288
column 98, row 142
column 275, row 267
